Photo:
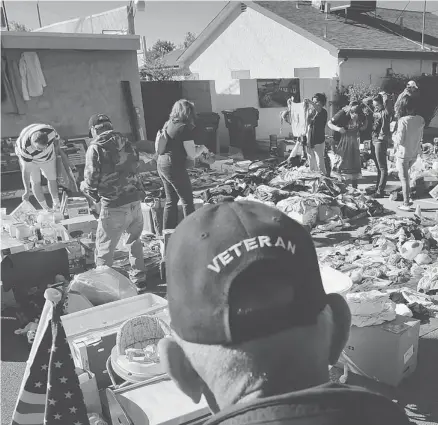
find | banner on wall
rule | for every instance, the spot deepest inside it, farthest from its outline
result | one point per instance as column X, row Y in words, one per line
column 274, row 93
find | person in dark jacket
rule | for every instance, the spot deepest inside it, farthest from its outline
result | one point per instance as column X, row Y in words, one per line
column 316, row 134
column 171, row 163
column 252, row 328
column 379, row 147
column 112, row 182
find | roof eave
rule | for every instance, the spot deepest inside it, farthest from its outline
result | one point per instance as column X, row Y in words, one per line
column 227, row 15
column 387, row 54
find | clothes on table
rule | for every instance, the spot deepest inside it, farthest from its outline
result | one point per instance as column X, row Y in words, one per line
column 32, row 77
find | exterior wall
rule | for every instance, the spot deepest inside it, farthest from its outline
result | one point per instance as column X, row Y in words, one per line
column 245, row 95
column 267, row 49
column 111, row 21
column 79, row 84
column 373, row 70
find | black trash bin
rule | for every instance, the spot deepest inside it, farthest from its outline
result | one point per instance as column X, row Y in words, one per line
column 207, row 124
column 241, row 124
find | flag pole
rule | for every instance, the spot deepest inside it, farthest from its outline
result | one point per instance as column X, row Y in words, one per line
column 424, row 25
column 38, row 10
column 5, row 15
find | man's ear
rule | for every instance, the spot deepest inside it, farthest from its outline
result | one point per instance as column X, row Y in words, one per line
column 341, row 325
column 179, row 368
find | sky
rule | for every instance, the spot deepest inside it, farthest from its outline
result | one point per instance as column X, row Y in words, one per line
column 165, row 20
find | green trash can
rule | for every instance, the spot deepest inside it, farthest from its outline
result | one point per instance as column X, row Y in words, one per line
column 241, row 124
column 207, row 124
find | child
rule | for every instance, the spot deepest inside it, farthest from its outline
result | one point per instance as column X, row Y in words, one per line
column 407, row 143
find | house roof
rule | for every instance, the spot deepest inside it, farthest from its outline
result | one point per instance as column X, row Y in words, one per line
column 372, row 34
column 361, row 32
column 171, row 59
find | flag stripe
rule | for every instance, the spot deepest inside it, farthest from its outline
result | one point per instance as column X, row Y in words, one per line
column 32, row 398
column 25, row 408
column 28, row 419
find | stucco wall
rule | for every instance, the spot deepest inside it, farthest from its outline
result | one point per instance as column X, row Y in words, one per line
column 259, row 44
column 373, row 70
column 247, row 96
column 79, row 84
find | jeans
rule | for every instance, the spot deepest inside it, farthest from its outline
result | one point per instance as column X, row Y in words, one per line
column 379, row 153
column 113, row 223
column 403, row 167
column 317, row 158
column 177, row 185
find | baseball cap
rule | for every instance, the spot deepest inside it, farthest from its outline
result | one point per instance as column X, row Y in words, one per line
column 213, row 296
column 412, row 84
column 97, row 119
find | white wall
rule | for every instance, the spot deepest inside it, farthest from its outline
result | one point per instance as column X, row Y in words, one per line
column 267, row 49
column 245, row 95
column 373, row 70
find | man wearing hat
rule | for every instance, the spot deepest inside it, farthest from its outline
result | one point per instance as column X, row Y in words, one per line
column 110, row 178
column 410, row 90
column 253, row 329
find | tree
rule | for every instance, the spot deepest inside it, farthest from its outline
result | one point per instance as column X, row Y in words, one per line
column 156, row 69
column 188, row 40
column 162, row 47
column 16, row 26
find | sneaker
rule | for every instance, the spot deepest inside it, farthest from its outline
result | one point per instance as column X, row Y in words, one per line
column 405, row 207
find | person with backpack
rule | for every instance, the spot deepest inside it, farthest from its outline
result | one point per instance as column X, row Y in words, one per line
column 252, row 328
column 407, row 144
column 175, row 144
column 112, row 182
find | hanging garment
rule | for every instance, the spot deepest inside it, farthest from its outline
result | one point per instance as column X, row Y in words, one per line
column 32, row 77
column 298, row 118
column 9, row 104
column 25, row 150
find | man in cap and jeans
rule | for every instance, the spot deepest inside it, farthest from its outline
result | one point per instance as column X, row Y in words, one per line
column 252, row 327
column 110, row 178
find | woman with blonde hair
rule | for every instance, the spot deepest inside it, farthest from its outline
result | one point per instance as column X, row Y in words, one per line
column 172, row 157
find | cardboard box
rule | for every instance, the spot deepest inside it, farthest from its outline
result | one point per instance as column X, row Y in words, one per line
column 86, row 223
column 386, row 353
column 76, row 207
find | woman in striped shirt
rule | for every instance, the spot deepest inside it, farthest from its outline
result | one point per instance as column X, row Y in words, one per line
column 36, row 148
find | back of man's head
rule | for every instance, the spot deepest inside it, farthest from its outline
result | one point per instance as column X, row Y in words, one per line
column 247, row 305
column 40, row 139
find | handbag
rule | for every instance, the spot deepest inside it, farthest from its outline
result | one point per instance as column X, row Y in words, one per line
column 161, row 142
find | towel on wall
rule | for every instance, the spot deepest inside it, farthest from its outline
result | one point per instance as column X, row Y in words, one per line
column 32, row 77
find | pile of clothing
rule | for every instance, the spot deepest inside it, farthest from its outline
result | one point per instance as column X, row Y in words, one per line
column 389, row 253
column 306, row 196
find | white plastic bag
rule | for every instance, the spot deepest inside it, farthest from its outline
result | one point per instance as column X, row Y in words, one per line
column 103, row 285
column 303, row 210
column 411, row 249
column 417, row 170
column 370, row 308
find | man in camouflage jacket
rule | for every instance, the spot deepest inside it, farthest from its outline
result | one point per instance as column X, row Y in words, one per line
column 111, row 179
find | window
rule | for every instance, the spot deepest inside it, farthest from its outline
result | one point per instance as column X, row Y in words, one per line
column 241, row 74
column 434, row 68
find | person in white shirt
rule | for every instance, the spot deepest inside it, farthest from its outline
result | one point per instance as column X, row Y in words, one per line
column 407, row 143
column 36, row 148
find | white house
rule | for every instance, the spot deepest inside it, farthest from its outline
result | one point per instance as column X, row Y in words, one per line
column 284, row 39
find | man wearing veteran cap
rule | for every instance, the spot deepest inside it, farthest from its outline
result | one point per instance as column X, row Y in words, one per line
column 252, row 327
column 110, row 178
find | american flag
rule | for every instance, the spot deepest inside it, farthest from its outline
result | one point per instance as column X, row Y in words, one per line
column 51, row 394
